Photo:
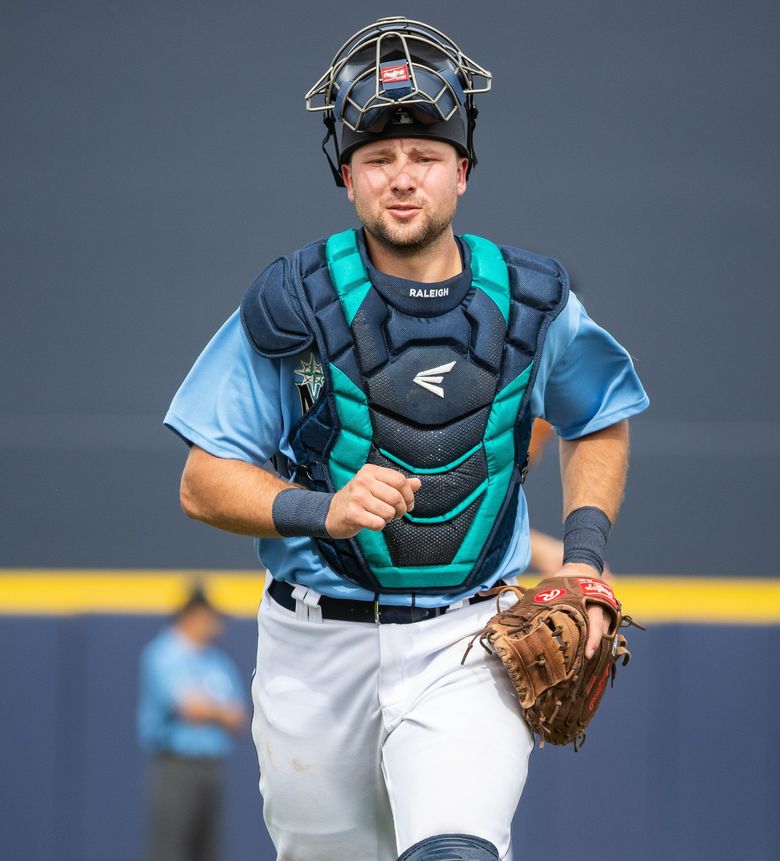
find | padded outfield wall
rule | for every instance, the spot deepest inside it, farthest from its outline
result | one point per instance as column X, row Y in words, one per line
column 680, row 762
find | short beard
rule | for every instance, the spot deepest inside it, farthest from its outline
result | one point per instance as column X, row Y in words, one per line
column 432, row 231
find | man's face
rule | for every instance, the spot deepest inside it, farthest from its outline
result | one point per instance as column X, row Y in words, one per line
column 203, row 625
column 405, row 190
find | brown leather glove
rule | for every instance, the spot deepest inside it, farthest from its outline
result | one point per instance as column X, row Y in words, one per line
column 541, row 642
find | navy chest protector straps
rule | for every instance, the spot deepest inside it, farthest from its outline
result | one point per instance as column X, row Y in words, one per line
column 441, row 394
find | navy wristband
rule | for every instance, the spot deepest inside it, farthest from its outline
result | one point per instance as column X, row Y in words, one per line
column 301, row 512
column 585, row 533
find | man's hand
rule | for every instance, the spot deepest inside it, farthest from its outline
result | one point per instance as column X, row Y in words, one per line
column 598, row 620
column 198, row 709
column 546, row 640
column 373, row 498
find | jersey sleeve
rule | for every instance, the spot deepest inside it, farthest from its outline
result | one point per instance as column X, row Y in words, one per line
column 586, row 379
column 229, row 404
column 155, row 704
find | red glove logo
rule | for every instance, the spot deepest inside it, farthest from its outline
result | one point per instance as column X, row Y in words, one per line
column 549, row 595
column 597, row 589
column 599, row 690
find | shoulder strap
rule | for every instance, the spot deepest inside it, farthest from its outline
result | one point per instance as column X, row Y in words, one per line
column 489, row 271
column 348, row 274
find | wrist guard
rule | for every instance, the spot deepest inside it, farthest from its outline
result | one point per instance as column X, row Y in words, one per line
column 301, row 512
column 585, row 533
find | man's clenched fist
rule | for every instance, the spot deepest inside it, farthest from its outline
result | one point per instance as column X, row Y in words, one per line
column 373, row 498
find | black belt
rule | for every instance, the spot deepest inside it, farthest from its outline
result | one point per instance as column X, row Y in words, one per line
column 364, row 611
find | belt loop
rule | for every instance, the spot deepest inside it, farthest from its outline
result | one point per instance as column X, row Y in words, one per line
column 301, row 610
column 307, row 607
column 312, row 602
column 376, row 608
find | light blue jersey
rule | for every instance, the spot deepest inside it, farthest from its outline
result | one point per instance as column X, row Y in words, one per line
column 237, row 404
column 172, row 669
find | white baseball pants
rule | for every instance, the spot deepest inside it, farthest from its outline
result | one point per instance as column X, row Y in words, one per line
column 373, row 737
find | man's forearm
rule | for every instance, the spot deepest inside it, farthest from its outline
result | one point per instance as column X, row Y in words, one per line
column 593, row 474
column 230, row 494
column 200, row 710
column 239, row 497
column 230, row 717
column 594, row 469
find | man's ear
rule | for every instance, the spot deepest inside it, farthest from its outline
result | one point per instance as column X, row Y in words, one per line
column 346, row 175
column 463, row 167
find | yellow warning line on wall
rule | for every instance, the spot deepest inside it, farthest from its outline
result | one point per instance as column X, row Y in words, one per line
column 709, row 600
column 64, row 591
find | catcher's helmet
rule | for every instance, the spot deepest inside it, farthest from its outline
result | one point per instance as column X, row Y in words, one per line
column 398, row 78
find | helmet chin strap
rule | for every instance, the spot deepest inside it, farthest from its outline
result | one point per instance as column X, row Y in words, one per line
column 472, row 112
column 330, row 125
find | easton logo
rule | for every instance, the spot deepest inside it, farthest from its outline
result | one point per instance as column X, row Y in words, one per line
column 549, row 595
column 433, row 377
column 394, row 74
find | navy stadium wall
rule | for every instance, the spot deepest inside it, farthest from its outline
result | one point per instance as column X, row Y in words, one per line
column 680, row 763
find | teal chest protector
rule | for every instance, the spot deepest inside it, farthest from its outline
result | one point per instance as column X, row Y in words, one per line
column 434, row 387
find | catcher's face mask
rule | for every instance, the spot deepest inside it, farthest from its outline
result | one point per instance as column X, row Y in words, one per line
column 398, row 78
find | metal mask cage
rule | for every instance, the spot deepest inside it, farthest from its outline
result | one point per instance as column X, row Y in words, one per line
column 438, row 79
column 434, row 92
column 442, row 76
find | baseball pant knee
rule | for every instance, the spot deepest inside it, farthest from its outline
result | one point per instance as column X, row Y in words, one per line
column 451, row 847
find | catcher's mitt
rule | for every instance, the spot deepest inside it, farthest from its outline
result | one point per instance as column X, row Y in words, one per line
column 541, row 641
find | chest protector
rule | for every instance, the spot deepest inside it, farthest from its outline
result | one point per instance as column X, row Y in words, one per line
column 442, row 394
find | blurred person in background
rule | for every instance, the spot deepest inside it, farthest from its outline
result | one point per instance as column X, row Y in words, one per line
column 190, row 704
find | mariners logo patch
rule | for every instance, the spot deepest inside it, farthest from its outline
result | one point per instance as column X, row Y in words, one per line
column 309, row 380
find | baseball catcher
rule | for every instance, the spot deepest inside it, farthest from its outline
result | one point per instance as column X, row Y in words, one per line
column 391, row 373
